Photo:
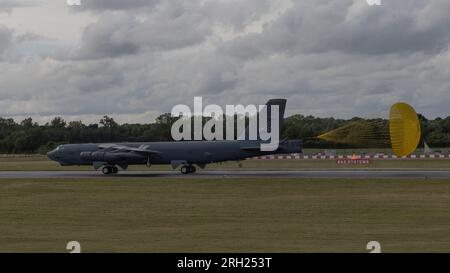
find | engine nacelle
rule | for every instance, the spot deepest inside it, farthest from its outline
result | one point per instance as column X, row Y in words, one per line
column 93, row 156
column 101, row 156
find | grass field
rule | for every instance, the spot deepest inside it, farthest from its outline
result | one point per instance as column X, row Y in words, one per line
column 224, row 215
column 40, row 163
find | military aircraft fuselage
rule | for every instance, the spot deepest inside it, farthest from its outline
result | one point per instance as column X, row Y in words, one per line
column 186, row 152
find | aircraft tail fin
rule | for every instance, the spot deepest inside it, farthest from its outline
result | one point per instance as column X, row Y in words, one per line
column 282, row 108
column 281, row 103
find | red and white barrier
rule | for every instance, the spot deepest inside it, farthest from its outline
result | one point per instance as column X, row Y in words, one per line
column 354, row 157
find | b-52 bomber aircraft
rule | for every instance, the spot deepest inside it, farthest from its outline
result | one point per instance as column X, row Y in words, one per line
column 187, row 154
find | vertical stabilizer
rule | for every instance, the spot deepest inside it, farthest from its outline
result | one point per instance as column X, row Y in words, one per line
column 281, row 103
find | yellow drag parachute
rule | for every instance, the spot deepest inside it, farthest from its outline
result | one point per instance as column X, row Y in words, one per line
column 362, row 133
column 401, row 132
column 404, row 127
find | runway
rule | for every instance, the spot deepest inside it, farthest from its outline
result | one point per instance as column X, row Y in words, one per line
column 234, row 174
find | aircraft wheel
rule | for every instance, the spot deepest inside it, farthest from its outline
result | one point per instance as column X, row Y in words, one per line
column 107, row 170
column 115, row 170
column 188, row 169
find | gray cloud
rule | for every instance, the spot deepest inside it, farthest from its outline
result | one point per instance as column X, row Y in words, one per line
column 328, row 57
column 9, row 5
column 168, row 27
column 102, row 5
column 5, row 38
column 109, row 37
column 351, row 26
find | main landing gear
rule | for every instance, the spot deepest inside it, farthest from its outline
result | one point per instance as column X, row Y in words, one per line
column 110, row 170
column 188, row 169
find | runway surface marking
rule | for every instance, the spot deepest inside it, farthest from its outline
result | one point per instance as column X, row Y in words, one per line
column 234, row 174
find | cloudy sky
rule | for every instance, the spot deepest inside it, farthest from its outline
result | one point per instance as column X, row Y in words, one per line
column 135, row 59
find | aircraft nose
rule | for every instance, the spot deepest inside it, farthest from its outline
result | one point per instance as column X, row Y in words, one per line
column 51, row 155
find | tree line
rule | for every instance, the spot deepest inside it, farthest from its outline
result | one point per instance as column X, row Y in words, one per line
column 30, row 137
